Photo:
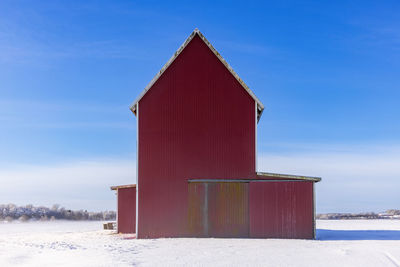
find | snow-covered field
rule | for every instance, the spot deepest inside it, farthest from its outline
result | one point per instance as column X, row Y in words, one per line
column 340, row 243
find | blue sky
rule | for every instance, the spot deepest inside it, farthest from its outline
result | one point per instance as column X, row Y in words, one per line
column 328, row 74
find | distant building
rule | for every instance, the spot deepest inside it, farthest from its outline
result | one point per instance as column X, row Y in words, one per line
column 196, row 160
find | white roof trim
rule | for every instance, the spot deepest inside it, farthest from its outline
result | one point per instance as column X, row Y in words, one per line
column 290, row 176
column 116, row 187
column 260, row 106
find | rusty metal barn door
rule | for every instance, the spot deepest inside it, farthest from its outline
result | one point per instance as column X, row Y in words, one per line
column 218, row 209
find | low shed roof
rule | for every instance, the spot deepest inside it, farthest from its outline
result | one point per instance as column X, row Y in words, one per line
column 261, row 177
column 116, row 187
column 289, row 176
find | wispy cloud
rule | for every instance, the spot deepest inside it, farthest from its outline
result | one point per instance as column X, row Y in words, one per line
column 24, row 44
column 247, row 48
column 59, row 105
column 381, row 33
column 69, row 125
column 385, row 36
column 35, row 52
column 332, row 148
column 62, row 114
column 81, row 184
column 42, row 33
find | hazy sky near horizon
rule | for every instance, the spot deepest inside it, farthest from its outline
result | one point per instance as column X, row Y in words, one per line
column 328, row 74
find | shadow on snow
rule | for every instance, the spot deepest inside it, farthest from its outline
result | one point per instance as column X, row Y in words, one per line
column 324, row 234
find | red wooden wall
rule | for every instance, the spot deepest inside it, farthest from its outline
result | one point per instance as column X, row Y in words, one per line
column 126, row 221
column 196, row 121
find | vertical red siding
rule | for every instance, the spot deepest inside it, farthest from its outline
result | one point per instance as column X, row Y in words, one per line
column 126, row 210
column 281, row 209
column 196, row 121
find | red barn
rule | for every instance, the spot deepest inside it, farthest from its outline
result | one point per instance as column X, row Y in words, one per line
column 196, row 160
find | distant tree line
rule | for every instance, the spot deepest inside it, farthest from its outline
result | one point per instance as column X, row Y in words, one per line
column 389, row 214
column 10, row 212
column 393, row 212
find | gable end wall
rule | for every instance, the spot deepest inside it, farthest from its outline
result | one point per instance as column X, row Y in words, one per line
column 196, row 122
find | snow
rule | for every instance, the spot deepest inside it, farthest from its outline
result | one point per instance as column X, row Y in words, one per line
column 78, row 243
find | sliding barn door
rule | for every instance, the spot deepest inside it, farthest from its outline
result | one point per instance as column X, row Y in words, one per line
column 218, row 209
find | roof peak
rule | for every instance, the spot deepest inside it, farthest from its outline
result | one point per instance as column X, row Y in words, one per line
column 260, row 106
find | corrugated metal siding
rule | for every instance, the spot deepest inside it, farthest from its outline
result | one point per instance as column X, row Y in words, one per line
column 218, row 209
column 228, row 210
column 197, row 209
column 195, row 122
column 126, row 210
column 281, row 209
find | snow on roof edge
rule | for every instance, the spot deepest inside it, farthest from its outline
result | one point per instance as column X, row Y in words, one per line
column 260, row 105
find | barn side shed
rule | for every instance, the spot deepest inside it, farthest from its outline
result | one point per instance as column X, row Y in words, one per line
column 271, row 206
column 126, row 208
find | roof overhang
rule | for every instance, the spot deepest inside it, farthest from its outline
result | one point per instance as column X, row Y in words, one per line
column 116, row 187
column 260, row 106
column 289, row 176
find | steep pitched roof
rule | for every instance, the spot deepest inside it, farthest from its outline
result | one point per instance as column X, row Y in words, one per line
column 260, row 106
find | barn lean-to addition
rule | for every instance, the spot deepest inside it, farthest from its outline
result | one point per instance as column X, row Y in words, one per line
column 196, row 157
column 126, row 208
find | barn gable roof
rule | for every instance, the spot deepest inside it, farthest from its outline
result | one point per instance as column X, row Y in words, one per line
column 260, row 106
